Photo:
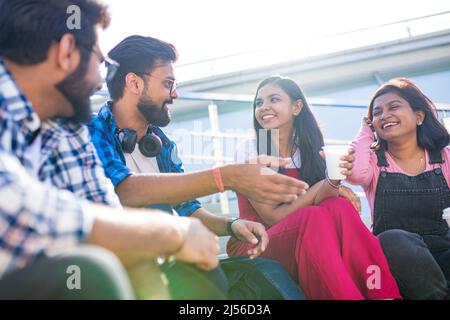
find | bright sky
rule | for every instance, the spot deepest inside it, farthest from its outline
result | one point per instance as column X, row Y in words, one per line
column 203, row 29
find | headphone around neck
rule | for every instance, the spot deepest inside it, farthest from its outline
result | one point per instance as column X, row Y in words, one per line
column 150, row 145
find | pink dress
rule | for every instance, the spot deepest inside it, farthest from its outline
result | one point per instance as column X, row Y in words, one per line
column 327, row 249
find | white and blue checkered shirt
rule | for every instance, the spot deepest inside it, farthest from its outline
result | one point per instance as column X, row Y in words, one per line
column 39, row 214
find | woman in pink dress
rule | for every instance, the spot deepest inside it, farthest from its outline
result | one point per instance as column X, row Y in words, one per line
column 319, row 237
column 405, row 174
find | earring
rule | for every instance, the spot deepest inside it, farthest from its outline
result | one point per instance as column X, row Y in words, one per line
column 419, row 123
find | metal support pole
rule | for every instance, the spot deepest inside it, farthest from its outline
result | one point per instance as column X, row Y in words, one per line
column 217, row 148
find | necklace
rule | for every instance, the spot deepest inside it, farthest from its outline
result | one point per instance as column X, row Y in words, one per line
column 419, row 166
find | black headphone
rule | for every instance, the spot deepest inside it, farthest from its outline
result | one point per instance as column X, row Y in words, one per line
column 150, row 145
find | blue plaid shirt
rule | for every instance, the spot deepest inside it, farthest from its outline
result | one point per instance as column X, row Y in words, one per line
column 36, row 215
column 103, row 130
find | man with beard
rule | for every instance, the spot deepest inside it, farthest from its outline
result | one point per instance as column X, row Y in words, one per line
column 48, row 168
column 135, row 151
column 142, row 88
column 137, row 155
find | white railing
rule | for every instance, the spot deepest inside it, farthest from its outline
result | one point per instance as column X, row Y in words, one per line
column 219, row 137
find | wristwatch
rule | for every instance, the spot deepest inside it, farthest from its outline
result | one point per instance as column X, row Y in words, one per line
column 229, row 229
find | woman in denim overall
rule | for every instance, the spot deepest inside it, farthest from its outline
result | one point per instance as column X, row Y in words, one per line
column 405, row 175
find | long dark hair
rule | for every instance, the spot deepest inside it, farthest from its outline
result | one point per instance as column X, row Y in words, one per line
column 431, row 135
column 307, row 135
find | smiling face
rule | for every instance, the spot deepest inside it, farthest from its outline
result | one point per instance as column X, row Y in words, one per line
column 158, row 94
column 394, row 118
column 274, row 109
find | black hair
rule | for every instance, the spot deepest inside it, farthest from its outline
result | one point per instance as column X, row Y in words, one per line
column 137, row 54
column 431, row 135
column 29, row 27
column 307, row 135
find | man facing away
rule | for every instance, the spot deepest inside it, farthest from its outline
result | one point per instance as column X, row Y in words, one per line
column 47, row 74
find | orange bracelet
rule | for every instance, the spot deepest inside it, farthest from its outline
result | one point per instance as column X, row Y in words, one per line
column 218, row 179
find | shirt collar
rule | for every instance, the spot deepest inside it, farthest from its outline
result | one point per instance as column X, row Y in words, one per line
column 16, row 102
column 106, row 115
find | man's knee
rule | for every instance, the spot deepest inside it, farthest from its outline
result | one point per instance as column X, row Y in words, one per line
column 186, row 281
column 96, row 273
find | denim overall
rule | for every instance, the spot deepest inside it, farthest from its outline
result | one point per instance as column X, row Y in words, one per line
column 413, row 206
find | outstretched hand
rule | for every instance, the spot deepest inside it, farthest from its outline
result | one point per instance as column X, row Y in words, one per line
column 257, row 180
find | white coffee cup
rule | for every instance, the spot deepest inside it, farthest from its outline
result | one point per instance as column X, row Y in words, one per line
column 333, row 154
column 446, row 216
